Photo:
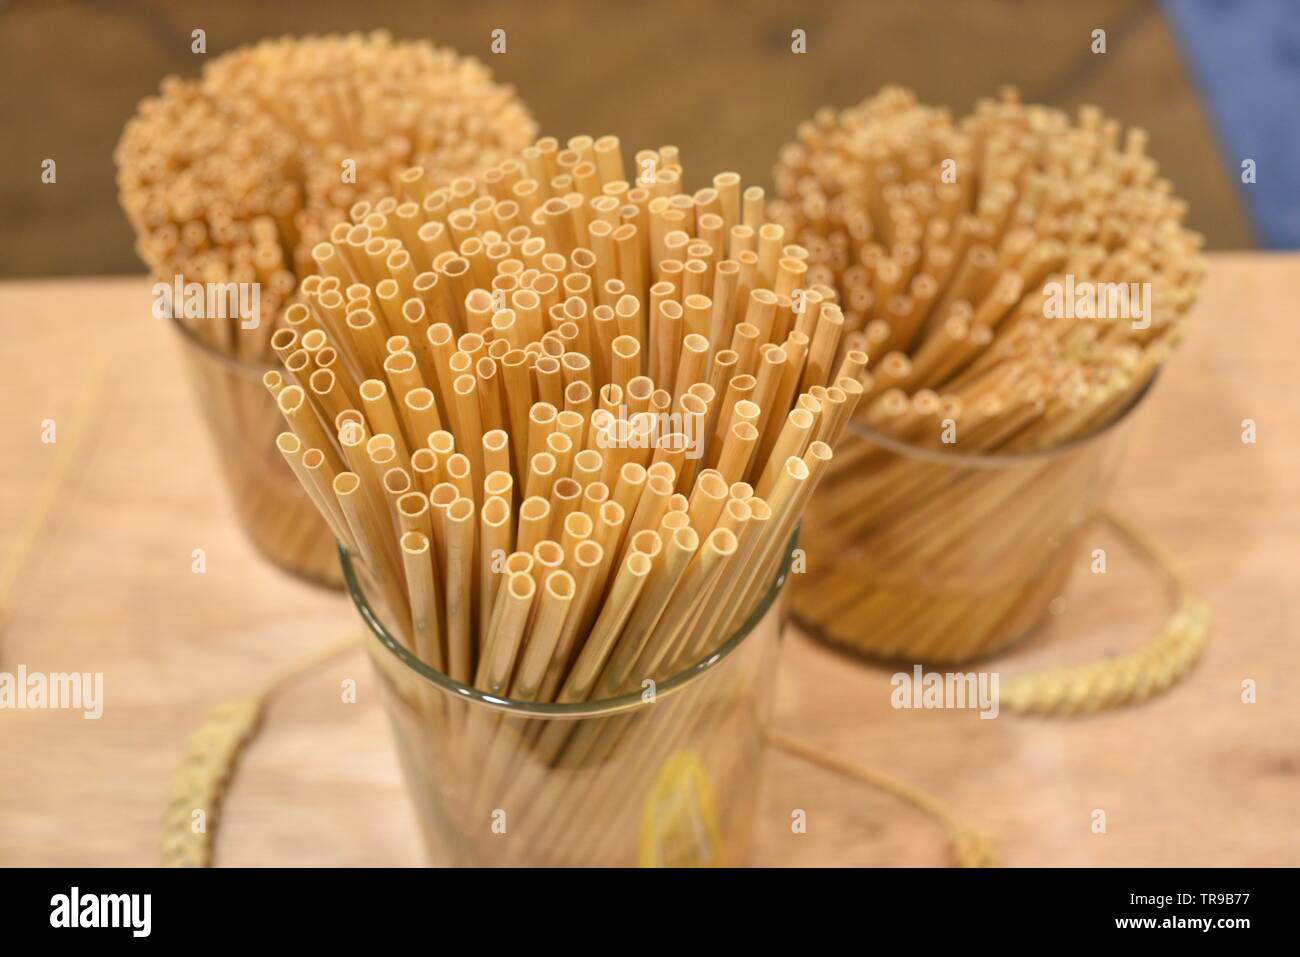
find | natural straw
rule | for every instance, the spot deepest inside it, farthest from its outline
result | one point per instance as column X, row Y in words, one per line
column 570, row 488
column 991, row 275
column 239, row 175
column 592, row 521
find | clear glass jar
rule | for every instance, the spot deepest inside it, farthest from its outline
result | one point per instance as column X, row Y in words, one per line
column 273, row 508
column 668, row 778
column 925, row 555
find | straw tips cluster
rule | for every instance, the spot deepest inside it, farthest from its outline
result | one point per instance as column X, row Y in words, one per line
column 960, row 251
column 567, row 418
column 235, row 176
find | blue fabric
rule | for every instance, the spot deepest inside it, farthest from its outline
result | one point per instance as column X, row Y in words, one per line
column 1246, row 58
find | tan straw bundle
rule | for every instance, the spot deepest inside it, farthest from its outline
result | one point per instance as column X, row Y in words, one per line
column 1017, row 281
column 568, row 422
column 236, row 176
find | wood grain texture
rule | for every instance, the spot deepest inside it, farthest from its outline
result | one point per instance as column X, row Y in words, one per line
column 1194, row 777
column 714, row 78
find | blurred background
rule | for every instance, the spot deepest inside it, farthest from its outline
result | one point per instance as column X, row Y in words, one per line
column 1214, row 82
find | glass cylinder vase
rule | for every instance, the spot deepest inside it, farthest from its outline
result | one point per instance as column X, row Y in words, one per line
column 929, row 555
column 667, row 776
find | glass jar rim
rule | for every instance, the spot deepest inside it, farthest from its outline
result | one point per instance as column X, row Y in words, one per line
column 253, row 369
column 1000, row 460
column 580, row 709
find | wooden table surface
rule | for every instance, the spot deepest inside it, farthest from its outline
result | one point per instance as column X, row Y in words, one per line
column 1196, row 777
